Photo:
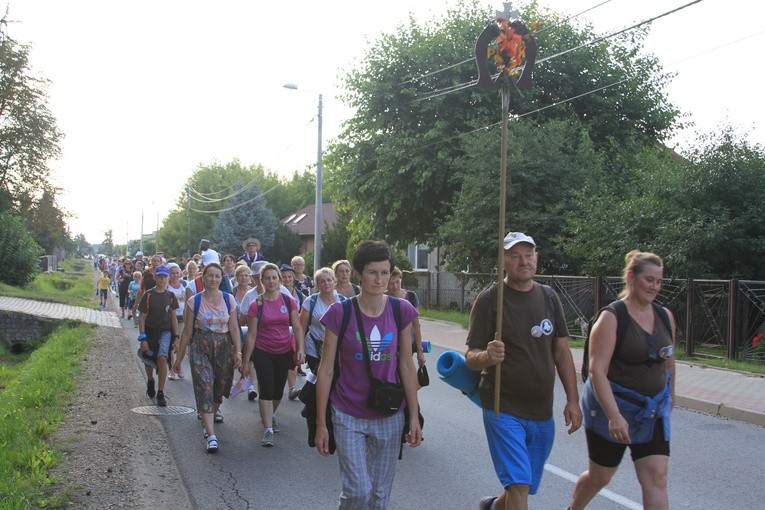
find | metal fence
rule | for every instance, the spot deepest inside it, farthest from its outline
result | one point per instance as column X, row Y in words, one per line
column 722, row 318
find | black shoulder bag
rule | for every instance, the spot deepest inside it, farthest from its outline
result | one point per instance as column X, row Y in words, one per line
column 385, row 397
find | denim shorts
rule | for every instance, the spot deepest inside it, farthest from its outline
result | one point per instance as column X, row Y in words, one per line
column 165, row 340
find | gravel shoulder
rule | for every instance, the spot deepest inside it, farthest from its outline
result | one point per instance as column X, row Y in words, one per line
column 111, row 456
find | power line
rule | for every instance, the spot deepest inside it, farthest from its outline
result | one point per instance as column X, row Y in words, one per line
column 238, row 205
column 202, row 198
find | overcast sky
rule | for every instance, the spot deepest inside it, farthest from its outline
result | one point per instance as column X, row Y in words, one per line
column 146, row 91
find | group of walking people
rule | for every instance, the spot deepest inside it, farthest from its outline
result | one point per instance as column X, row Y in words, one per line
column 274, row 319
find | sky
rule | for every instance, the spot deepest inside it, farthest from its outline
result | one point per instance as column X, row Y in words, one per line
column 147, row 91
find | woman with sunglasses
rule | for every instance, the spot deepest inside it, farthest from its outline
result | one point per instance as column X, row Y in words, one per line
column 628, row 397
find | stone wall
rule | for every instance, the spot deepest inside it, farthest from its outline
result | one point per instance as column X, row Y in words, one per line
column 22, row 328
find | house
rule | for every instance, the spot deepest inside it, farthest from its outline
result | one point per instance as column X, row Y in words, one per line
column 303, row 223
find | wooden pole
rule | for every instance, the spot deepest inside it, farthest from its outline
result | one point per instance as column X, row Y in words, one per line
column 505, row 93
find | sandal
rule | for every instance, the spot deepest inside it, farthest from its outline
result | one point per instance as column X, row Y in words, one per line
column 218, row 418
column 212, row 444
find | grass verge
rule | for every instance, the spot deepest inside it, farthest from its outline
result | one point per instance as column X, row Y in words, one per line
column 33, row 405
column 74, row 286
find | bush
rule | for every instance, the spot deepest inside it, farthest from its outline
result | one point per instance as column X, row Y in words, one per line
column 18, row 251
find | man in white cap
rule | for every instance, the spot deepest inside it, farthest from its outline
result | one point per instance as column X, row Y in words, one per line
column 251, row 247
column 534, row 344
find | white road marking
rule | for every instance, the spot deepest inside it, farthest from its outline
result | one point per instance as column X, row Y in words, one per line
column 616, row 498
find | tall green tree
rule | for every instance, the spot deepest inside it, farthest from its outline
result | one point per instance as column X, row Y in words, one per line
column 18, row 250
column 48, row 223
column 399, row 162
column 29, row 136
column 246, row 216
column 107, row 245
column 701, row 213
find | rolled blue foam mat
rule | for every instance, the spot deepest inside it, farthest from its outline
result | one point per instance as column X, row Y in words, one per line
column 453, row 370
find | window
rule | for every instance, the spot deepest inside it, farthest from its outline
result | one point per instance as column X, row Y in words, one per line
column 418, row 256
column 297, row 220
column 291, row 217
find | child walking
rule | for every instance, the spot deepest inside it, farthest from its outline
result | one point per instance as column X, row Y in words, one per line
column 103, row 287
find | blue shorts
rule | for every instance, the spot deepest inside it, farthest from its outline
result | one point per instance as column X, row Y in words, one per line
column 519, row 448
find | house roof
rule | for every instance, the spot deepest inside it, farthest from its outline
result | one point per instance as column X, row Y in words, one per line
column 302, row 221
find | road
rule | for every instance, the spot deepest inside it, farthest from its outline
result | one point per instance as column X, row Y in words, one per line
column 715, row 463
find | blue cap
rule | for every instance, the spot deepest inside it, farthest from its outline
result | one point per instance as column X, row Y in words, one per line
column 286, row 267
column 161, row 270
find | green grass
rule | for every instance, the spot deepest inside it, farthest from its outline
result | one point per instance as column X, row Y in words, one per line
column 463, row 319
column 74, row 286
column 32, row 406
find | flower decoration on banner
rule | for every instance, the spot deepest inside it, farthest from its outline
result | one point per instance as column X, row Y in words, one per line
column 508, row 50
column 759, row 339
column 511, row 47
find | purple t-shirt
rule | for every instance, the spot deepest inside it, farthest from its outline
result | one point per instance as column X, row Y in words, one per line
column 273, row 334
column 352, row 388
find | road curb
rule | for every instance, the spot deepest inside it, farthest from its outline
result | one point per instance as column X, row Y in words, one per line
column 720, row 409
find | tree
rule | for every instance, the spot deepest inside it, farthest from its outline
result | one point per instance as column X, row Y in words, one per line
column 107, row 245
column 29, row 136
column 398, row 161
column 18, row 251
column 81, row 246
column 334, row 244
column 246, row 216
column 701, row 213
column 286, row 245
column 48, row 223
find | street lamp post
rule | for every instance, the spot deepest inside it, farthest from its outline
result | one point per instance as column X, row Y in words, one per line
column 318, row 213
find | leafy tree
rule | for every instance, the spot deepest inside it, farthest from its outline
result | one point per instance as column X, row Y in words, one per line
column 547, row 164
column 107, row 245
column 18, row 251
column 29, row 137
column 48, row 223
column 334, row 244
column 81, row 246
column 286, row 245
column 246, row 216
column 702, row 213
column 400, row 162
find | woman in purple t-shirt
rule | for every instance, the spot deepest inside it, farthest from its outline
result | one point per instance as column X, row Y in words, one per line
column 269, row 343
column 367, row 440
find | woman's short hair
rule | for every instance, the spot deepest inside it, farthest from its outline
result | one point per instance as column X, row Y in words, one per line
column 636, row 261
column 327, row 271
column 371, row 251
column 269, row 266
column 396, row 273
column 297, row 258
column 228, row 256
column 191, row 263
column 241, row 269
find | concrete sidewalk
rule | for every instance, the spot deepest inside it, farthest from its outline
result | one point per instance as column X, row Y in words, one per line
column 60, row 311
column 725, row 393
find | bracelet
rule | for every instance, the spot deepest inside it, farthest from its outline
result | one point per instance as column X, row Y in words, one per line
column 239, row 354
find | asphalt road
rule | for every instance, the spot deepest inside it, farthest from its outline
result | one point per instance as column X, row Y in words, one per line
column 715, row 463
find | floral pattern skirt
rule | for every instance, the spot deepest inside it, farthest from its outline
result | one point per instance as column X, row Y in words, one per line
column 211, row 356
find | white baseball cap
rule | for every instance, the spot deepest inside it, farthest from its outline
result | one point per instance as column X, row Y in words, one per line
column 513, row 238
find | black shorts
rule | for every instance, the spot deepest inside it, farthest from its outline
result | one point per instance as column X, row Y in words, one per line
column 609, row 454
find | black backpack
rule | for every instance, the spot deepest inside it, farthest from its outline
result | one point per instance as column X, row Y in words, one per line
column 622, row 321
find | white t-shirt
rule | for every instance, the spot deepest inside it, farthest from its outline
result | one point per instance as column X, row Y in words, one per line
column 180, row 295
column 315, row 327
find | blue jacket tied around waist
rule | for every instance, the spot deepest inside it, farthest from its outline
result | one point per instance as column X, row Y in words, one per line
column 640, row 411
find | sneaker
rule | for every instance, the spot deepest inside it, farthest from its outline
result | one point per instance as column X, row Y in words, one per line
column 212, row 444
column 161, row 400
column 130, row 317
column 251, row 393
column 218, row 418
column 487, row 503
column 274, row 425
column 150, row 388
column 268, row 438
column 180, row 375
column 300, row 370
column 294, row 392
column 172, row 376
